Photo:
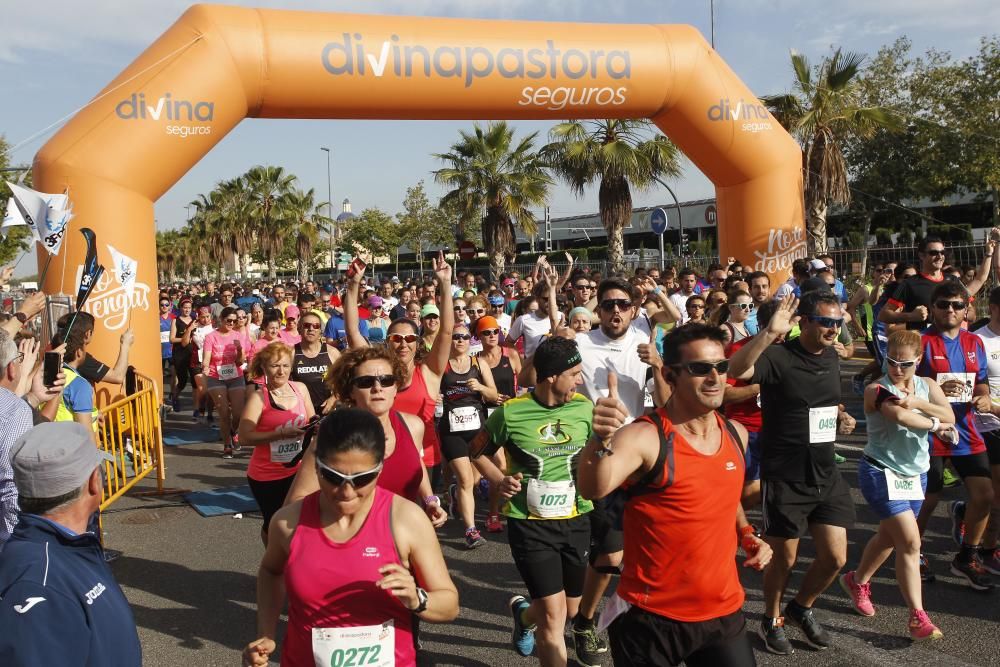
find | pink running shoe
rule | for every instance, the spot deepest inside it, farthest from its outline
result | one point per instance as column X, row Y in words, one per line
column 921, row 628
column 860, row 594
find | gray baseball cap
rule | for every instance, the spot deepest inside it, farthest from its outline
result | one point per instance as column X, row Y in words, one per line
column 54, row 458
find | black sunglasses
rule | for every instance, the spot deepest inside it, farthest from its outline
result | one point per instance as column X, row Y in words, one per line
column 581, row 286
column 945, row 304
column 934, row 253
column 368, row 381
column 357, row 480
column 827, row 322
column 488, row 332
column 230, row 320
column 700, row 369
column 611, row 304
column 461, row 337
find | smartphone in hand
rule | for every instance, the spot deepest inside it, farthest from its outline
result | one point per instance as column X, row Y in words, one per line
column 357, row 266
column 50, row 368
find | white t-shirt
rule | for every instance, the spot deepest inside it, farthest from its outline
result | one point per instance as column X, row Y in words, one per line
column 991, row 342
column 601, row 354
column 680, row 300
column 504, row 321
column 533, row 328
column 786, row 288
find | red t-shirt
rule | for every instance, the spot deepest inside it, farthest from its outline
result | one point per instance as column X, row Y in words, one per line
column 745, row 412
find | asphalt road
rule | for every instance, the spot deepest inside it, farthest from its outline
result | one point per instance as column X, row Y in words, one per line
column 191, row 584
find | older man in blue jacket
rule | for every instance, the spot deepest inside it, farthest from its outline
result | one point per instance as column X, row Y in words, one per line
column 59, row 602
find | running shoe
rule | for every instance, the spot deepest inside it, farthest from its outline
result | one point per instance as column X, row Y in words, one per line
column 772, row 631
column 473, row 539
column 453, row 501
column 858, row 384
column 493, row 524
column 957, row 513
column 522, row 637
column 950, row 479
column 484, row 489
column 589, row 645
column 806, row 621
column 227, row 453
column 973, row 573
column 860, row 594
column 838, row 459
column 921, row 628
column 236, row 442
column 926, row 575
column 990, row 558
column 176, row 405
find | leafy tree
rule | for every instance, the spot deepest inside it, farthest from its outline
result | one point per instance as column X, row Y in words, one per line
column 421, row 225
column 496, row 180
column 822, row 112
column 18, row 238
column 619, row 154
column 372, row 232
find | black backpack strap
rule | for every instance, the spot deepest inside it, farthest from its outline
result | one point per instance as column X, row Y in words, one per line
column 735, row 434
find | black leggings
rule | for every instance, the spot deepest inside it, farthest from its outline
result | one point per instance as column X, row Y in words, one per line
column 641, row 638
column 184, row 372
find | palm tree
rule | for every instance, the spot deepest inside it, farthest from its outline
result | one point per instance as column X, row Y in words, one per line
column 493, row 178
column 307, row 223
column 268, row 211
column 823, row 112
column 209, row 225
column 234, row 200
column 621, row 155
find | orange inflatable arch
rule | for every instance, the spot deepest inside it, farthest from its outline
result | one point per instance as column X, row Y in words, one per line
column 218, row 65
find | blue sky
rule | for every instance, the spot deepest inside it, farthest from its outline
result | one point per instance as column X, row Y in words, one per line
column 56, row 54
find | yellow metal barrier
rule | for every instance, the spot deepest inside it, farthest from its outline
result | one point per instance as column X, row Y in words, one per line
column 129, row 429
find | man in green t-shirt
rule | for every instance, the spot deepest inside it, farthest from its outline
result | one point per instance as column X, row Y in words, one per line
column 542, row 434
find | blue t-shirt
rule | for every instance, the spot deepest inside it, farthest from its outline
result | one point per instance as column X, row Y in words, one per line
column 933, row 364
column 166, row 349
column 336, row 334
column 79, row 395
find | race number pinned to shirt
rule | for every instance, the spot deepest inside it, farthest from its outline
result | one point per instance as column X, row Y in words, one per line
column 438, row 409
column 361, row 646
column 227, row 372
column 968, row 381
column 283, row 451
column 822, row 424
column 551, row 500
column 903, row 488
column 164, row 336
column 465, row 418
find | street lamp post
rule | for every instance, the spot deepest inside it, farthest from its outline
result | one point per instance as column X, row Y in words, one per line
column 680, row 221
column 329, row 209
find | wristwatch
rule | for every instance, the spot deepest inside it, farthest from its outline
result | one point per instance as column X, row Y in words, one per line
column 21, row 317
column 422, row 600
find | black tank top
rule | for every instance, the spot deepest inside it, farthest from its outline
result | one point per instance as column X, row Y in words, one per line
column 503, row 375
column 455, row 393
column 310, row 371
column 180, row 350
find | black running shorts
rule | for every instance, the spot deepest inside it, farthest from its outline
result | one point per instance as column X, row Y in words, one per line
column 970, row 465
column 640, row 638
column 550, row 554
column 791, row 507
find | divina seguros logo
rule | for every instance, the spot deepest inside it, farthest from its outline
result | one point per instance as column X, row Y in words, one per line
column 756, row 116
column 170, row 109
column 352, row 56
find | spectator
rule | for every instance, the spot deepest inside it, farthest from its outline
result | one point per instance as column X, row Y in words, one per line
column 61, row 605
column 91, row 369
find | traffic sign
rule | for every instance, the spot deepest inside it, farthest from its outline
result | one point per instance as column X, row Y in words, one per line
column 466, row 250
column 658, row 221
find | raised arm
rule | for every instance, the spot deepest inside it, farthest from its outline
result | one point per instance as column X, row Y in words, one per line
column 352, row 323
column 741, row 364
column 437, row 360
column 983, row 270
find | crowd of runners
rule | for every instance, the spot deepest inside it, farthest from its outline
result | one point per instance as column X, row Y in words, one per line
column 611, row 425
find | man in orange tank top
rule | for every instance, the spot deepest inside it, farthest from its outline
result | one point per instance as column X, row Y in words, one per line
column 679, row 473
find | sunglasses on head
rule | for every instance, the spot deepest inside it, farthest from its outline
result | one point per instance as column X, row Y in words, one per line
column 368, row 381
column 908, row 363
column 620, row 304
column 309, row 326
column 945, row 304
column 827, row 322
column 743, row 306
column 701, row 369
column 403, row 338
column 459, row 336
column 489, row 332
column 338, row 479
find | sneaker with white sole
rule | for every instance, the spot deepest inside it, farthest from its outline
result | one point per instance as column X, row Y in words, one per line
column 522, row 636
column 920, row 627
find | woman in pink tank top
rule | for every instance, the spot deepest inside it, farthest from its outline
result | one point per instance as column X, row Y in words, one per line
column 357, row 562
column 367, row 378
column 421, row 385
column 272, row 423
